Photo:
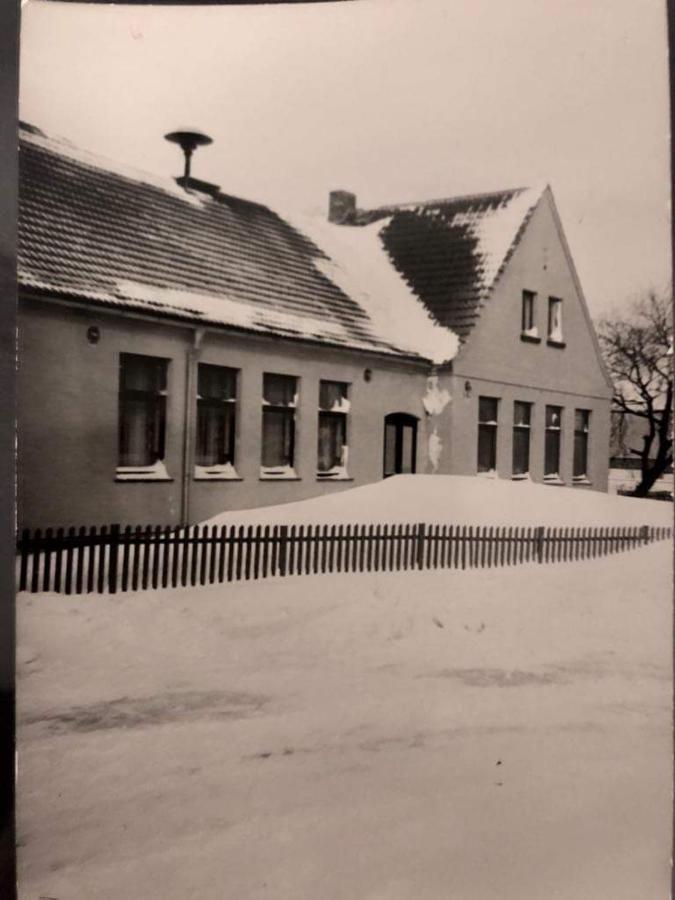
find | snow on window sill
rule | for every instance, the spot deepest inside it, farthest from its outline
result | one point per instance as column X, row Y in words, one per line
column 155, row 472
column 530, row 337
column 225, row 472
column 553, row 479
column 490, row 474
column 521, row 476
column 554, row 342
column 339, row 473
column 278, row 473
column 581, row 479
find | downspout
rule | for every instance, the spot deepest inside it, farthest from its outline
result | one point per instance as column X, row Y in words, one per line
column 191, row 357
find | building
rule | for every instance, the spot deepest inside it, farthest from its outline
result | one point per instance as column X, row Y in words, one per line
column 183, row 351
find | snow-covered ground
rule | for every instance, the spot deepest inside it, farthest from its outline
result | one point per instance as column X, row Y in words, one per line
column 462, row 500
column 478, row 735
column 627, row 479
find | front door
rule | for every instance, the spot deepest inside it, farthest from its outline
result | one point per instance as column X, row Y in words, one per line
column 400, row 444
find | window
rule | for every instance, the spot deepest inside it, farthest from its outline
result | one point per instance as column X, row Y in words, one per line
column 278, row 426
column 529, row 322
column 332, row 443
column 552, row 445
column 522, row 417
column 555, row 333
column 487, row 434
column 582, row 418
column 142, row 415
column 216, row 406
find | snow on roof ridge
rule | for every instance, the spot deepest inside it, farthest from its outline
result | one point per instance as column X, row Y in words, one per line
column 537, row 187
column 62, row 146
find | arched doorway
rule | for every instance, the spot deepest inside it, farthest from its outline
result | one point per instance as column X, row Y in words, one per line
column 400, row 444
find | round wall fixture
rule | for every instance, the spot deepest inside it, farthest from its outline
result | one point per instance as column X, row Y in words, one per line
column 93, row 334
column 367, row 374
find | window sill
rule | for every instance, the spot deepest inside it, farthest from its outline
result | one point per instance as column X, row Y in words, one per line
column 530, row 338
column 221, row 472
column 155, row 472
column 279, row 478
column 524, row 477
column 141, row 476
column 553, row 479
column 559, row 344
column 218, row 478
column 581, row 479
column 325, row 478
column 490, row 474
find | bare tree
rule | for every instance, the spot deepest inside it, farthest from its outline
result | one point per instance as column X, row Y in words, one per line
column 638, row 350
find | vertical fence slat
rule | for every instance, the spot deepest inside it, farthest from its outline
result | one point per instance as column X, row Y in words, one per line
column 175, row 557
column 47, row 569
column 228, row 553
column 283, row 548
column 239, row 553
column 125, row 541
column 102, row 542
column 248, row 552
column 70, row 542
column 195, row 532
column 79, row 561
column 23, row 564
column 113, row 558
column 420, row 539
column 166, row 544
column 58, row 559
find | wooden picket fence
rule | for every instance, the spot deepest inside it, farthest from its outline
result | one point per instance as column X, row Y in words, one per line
column 81, row 560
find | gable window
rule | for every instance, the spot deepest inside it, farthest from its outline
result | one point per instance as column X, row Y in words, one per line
column 582, row 419
column 552, row 442
column 528, row 327
column 555, row 330
column 332, row 454
column 142, row 416
column 487, row 433
column 522, row 417
column 216, row 415
column 280, row 399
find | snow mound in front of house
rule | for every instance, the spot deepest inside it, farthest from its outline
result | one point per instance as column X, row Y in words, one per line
column 457, row 499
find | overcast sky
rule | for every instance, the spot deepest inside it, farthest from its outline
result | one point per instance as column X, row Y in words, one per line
column 392, row 99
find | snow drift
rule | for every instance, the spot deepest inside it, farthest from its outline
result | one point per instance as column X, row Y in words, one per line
column 457, row 499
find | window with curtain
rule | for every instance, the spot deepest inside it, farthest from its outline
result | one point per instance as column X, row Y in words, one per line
column 142, row 411
column 332, row 437
column 555, row 331
column 528, row 319
column 487, row 433
column 552, row 442
column 216, row 415
column 522, row 418
column 582, row 420
column 278, row 426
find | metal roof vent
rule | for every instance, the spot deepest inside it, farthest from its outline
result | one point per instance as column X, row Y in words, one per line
column 188, row 141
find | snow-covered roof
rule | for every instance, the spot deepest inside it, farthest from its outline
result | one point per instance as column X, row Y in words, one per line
column 451, row 252
column 404, row 280
column 96, row 231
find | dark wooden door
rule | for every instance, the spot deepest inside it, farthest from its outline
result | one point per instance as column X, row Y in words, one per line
column 400, row 444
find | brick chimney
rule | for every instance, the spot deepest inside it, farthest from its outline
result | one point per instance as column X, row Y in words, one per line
column 341, row 207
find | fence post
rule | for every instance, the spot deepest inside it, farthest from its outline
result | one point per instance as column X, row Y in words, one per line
column 112, row 561
column 540, row 543
column 644, row 534
column 283, row 548
column 420, row 545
